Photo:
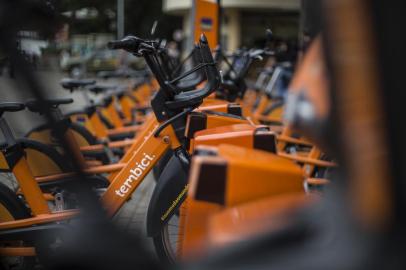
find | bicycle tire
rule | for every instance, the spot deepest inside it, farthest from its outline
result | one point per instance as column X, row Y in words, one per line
column 12, row 208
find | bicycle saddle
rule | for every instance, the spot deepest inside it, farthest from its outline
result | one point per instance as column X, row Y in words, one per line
column 11, row 107
column 42, row 105
column 97, row 88
column 74, row 84
column 111, row 74
column 123, row 74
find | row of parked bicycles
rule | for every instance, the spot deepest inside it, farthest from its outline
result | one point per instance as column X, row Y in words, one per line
column 246, row 174
column 229, row 158
column 221, row 155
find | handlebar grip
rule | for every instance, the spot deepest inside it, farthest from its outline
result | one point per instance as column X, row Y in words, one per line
column 118, row 44
column 129, row 43
column 114, row 45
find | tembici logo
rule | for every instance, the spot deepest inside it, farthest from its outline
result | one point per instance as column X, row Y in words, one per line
column 135, row 173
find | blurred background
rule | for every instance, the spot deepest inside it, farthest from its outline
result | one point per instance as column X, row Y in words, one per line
column 78, row 49
column 79, row 46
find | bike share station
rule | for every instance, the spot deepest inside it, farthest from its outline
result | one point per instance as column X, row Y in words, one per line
column 263, row 157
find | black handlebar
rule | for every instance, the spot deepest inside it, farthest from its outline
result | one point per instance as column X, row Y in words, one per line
column 174, row 97
column 129, row 43
column 134, row 45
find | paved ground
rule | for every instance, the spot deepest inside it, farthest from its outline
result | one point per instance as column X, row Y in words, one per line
column 133, row 215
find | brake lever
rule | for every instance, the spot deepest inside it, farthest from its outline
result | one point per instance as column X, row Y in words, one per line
column 258, row 57
column 145, row 48
column 256, row 54
column 269, row 53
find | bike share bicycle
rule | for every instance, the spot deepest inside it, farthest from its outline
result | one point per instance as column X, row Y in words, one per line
column 170, row 108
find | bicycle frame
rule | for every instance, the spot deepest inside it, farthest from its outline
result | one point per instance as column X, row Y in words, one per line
column 211, row 120
column 110, row 112
column 138, row 161
column 119, row 191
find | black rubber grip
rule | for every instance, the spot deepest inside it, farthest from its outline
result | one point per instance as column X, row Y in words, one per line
column 114, row 45
column 129, row 43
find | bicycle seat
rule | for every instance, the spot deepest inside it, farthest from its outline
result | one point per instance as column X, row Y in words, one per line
column 11, row 107
column 73, row 84
column 42, row 105
column 97, row 88
column 123, row 74
column 110, row 74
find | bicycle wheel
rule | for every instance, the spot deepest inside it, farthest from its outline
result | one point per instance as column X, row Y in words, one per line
column 168, row 242
column 11, row 208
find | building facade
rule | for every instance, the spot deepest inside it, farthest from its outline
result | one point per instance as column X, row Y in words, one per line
column 244, row 21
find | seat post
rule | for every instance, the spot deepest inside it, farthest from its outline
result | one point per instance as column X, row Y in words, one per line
column 7, row 132
column 66, row 132
column 14, row 155
column 56, row 114
column 86, row 97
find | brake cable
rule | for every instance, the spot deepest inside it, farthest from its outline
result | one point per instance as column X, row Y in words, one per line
column 183, row 62
column 194, row 69
column 171, row 120
column 159, row 66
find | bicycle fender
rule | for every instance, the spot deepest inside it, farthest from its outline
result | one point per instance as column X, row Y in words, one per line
column 169, row 193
